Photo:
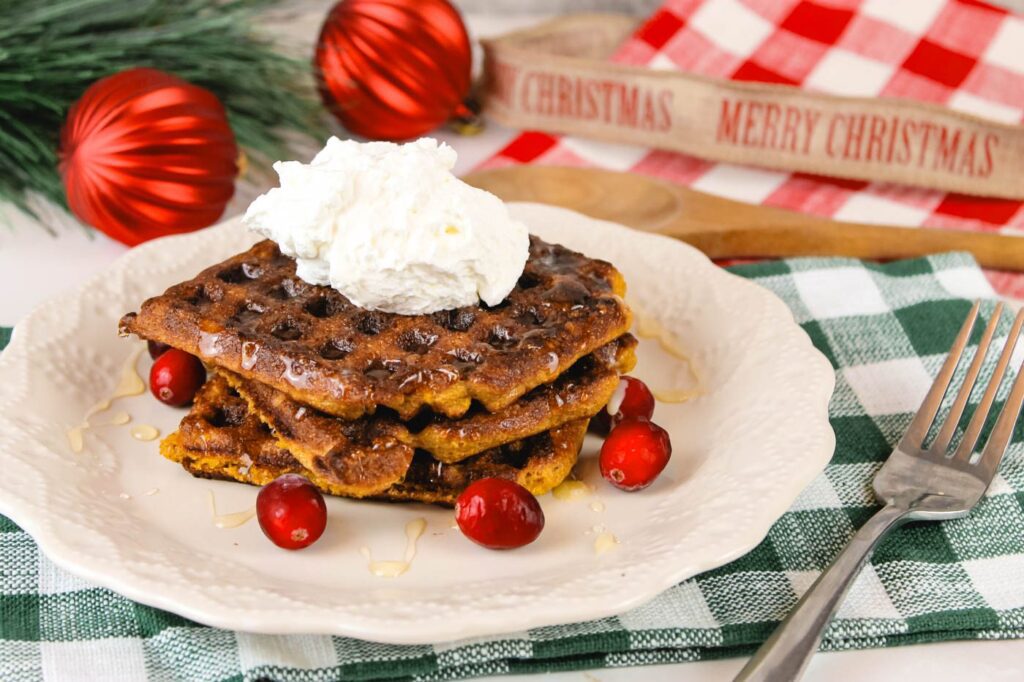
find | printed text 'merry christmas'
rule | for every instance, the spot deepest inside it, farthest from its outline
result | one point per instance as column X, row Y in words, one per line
column 856, row 136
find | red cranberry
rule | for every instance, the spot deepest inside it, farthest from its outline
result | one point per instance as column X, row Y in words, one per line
column 291, row 511
column 634, row 453
column 637, row 401
column 499, row 514
column 631, row 400
column 156, row 349
column 175, row 377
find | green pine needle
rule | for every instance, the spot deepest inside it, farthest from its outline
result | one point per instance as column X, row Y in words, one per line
column 51, row 52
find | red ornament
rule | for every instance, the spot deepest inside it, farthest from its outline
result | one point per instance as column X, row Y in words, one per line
column 145, row 154
column 393, row 69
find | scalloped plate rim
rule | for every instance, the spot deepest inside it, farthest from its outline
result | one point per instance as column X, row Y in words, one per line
column 820, row 382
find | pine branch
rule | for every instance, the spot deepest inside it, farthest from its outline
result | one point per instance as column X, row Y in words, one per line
column 51, row 52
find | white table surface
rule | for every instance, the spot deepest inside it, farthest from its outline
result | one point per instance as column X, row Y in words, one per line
column 35, row 265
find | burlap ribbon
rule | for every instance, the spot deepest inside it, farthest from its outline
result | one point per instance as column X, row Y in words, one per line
column 556, row 77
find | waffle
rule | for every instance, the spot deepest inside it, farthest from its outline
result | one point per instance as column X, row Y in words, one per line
column 251, row 315
column 220, row 425
column 221, row 439
column 578, row 393
column 538, row 463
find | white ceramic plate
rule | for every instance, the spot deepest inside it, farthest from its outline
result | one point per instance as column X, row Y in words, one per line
column 742, row 452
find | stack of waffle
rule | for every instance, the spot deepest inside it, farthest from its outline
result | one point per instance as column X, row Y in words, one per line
column 374, row 405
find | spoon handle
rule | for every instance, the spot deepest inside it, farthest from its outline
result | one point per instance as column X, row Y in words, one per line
column 724, row 228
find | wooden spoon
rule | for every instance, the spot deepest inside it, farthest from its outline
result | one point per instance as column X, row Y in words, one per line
column 723, row 228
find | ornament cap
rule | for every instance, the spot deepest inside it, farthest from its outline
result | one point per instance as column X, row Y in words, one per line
column 466, row 119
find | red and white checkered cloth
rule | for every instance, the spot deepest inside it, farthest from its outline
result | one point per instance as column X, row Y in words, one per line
column 963, row 54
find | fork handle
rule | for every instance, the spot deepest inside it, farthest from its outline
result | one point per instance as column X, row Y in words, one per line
column 785, row 655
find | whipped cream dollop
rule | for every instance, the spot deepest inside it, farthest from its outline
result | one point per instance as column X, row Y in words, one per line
column 391, row 228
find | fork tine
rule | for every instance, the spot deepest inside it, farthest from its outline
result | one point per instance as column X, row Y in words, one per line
column 918, row 430
column 995, row 448
column 977, row 422
column 945, row 434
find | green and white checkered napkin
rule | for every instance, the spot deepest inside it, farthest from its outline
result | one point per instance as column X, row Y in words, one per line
column 885, row 329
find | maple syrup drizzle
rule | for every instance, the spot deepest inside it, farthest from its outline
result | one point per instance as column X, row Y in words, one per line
column 569, row 490
column 209, row 344
column 250, row 349
column 145, row 432
column 674, row 395
column 605, row 542
column 117, row 419
column 648, row 327
column 130, row 383
column 232, row 520
column 392, row 569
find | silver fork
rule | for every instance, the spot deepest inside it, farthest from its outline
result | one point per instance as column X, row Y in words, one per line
column 916, row 483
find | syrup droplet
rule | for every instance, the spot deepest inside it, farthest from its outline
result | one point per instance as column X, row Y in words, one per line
column 299, row 379
column 209, row 344
column 151, row 492
column 552, row 362
column 145, row 432
column 392, row 569
column 250, row 349
column 618, row 395
column 571, row 490
column 605, row 542
column 597, row 506
column 76, row 437
column 232, row 520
